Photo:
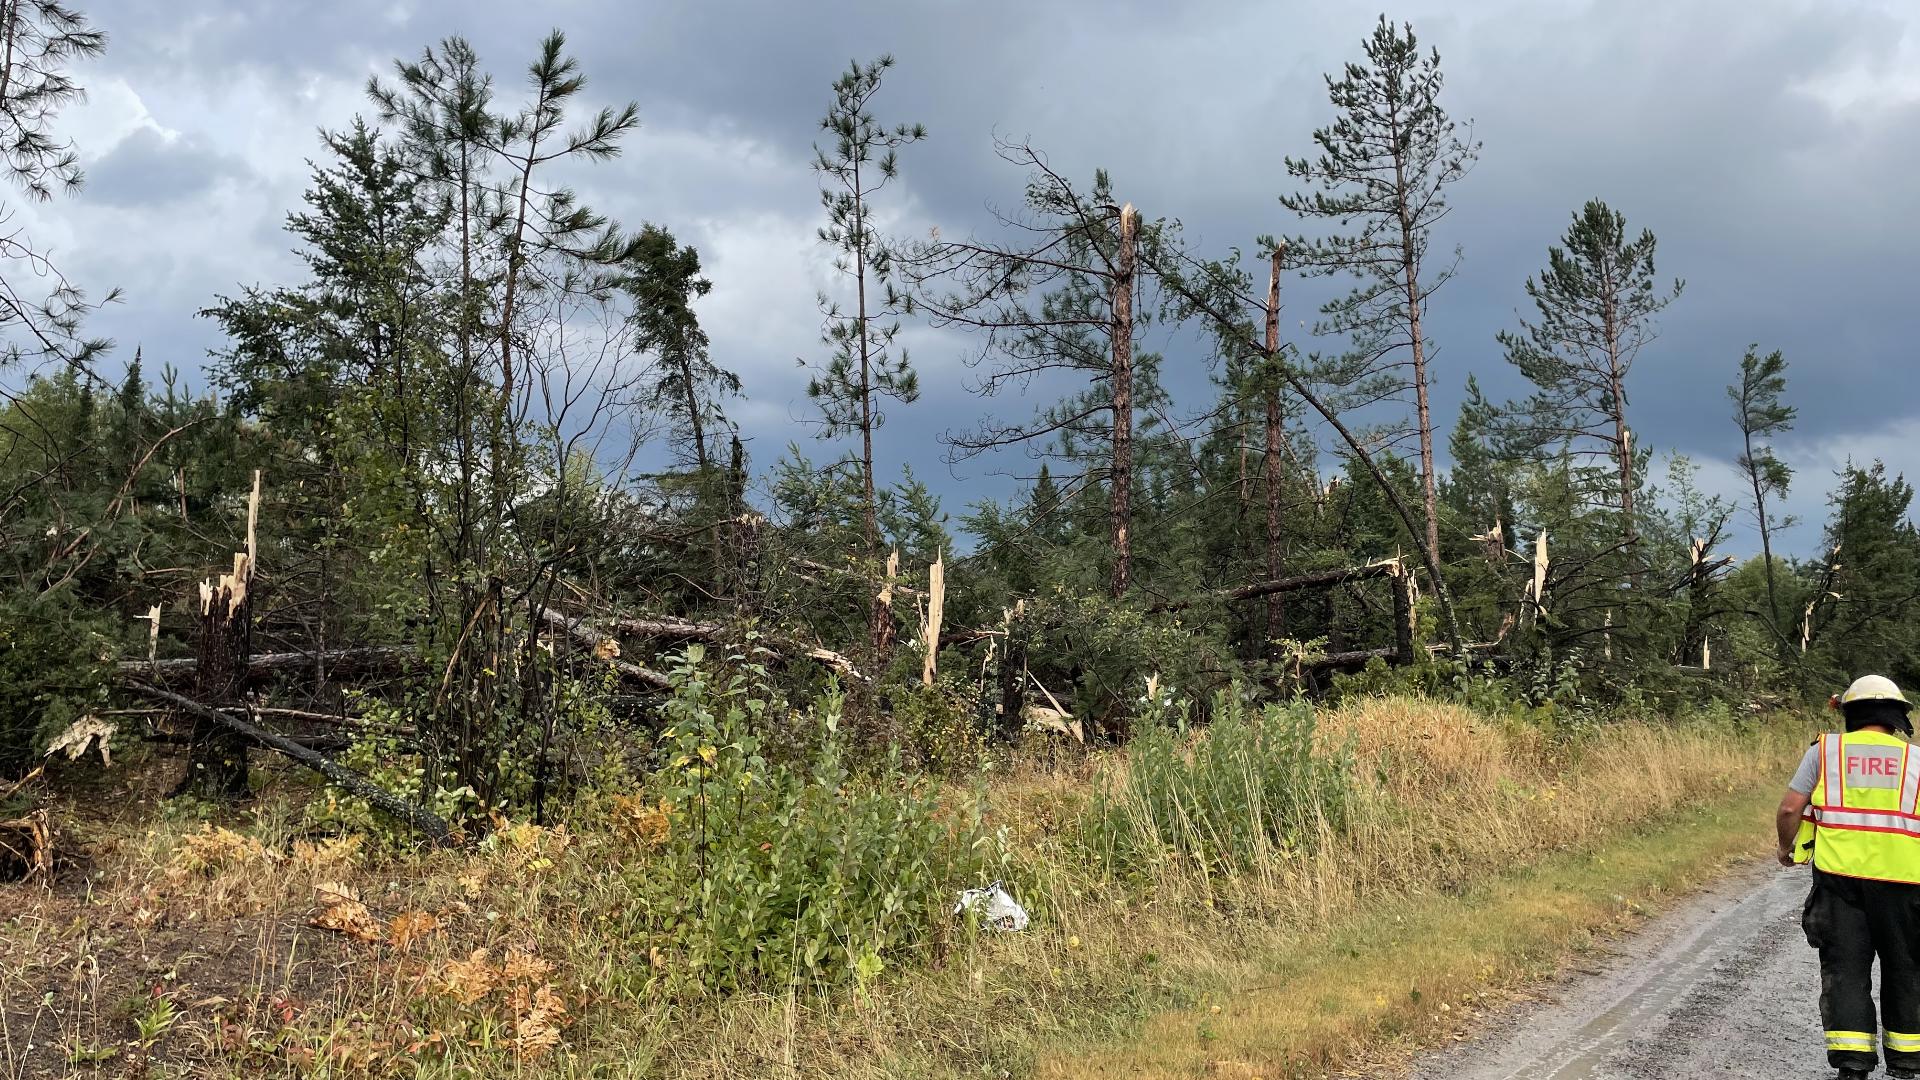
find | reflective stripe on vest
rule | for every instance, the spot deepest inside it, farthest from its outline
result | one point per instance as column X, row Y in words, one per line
column 1865, row 810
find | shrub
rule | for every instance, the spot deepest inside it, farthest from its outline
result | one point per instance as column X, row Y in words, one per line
column 388, row 762
column 51, row 674
column 1096, row 654
column 1254, row 785
column 939, row 727
column 768, row 875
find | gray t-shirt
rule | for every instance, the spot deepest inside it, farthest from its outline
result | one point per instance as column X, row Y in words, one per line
column 1805, row 777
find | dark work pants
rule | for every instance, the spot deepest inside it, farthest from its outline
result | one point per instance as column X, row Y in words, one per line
column 1852, row 920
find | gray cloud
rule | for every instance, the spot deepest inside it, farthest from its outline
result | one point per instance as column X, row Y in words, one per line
column 147, row 169
column 1771, row 144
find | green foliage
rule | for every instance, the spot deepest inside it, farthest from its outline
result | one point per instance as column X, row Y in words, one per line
column 1866, row 593
column 772, row 875
column 1762, row 416
column 1096, row 654
column 1595, row 302
column 939, row 729
column 865, row 368
column 1382, row 170
column 51, row 673
column 397, row 766
column 1253, row 786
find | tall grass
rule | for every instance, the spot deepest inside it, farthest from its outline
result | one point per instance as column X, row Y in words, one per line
column 1255, row 787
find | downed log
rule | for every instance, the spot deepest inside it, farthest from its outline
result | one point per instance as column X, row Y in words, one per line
column 11, row 789
column 688, row 630
column 423, row 821
column 1351, row 659
column 1319, row 579
column 849, row 572
column 362, row 659
column 356, row 659
column 581, row 631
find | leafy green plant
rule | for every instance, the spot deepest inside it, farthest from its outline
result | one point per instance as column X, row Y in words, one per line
column 153, row 1022
column 389, row 762
column 771, row 875
column 939, row 727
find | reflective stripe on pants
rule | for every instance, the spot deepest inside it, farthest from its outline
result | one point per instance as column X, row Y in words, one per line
column 1853, row 921
column 1857, row 1041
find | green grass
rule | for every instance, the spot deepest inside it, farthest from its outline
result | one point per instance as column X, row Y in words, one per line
column 1412, row 971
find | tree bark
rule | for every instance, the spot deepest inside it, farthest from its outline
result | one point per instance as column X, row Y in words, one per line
column 1120, row 475
column 1012, row 678
column 1622, row 438
column 1270, row 465
column 360, row 658
column 216, row 755
column 1766, row 537
column 1410, row 268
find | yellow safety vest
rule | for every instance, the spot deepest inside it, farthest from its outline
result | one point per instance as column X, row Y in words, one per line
column 1864, row 819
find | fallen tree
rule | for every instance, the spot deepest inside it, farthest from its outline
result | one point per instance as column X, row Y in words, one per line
column 353, row 660
column 421, row 820
column 374, row 659
column 687, row 630
column 1319, row 579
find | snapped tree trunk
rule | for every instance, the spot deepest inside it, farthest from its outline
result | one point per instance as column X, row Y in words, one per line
column 1276, row 622
column 1120, row 474
column 217, row 754
column 1013, row 675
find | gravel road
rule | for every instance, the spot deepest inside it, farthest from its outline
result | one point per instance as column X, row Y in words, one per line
column 1722, row 986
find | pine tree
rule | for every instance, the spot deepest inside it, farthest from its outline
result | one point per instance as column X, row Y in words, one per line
column 1385, row 164
column 1859, row 619
column 865, row 367
column 40, row 310
column 1063, row 298
column 1597, row 299
column 663, row 279
column 1762, row 416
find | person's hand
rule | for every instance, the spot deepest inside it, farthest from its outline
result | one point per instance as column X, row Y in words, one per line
column 1785, row 855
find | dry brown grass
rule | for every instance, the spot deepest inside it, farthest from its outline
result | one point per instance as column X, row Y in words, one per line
column 488, row 963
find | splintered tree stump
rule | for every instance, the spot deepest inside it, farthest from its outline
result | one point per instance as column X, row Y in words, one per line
column 26, row 848
column 217, row 754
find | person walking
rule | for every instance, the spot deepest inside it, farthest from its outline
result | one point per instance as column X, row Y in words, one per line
column 1851, row 810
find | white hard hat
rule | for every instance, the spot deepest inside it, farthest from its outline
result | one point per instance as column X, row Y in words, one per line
column 1873, row 688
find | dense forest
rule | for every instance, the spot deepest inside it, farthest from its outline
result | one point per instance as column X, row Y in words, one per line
column 455, row 543
column 478, row 470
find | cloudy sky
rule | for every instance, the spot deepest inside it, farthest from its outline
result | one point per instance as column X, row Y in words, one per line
column 1773, row 146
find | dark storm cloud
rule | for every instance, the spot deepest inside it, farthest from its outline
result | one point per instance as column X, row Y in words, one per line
column 1770, row 145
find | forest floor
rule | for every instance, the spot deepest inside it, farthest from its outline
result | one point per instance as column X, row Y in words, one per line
column 179, row 946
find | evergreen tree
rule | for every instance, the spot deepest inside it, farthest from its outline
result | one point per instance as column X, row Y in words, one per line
column 40, row 310
column 865, row 367
column 1866, row 594
column 1596, row 299
column 1762, row 416
column 1385, row 164
column 1062, row 299
column 663, row 280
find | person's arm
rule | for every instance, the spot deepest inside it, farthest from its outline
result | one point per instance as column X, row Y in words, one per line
column 1786, row 823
